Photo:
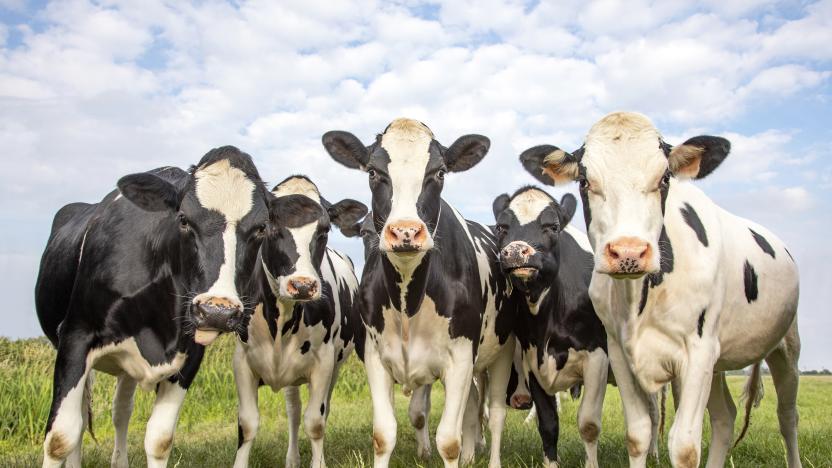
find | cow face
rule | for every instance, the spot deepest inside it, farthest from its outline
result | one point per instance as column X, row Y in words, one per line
column 625, row 171
column 528, row 226
column 406, row 169
column 217, row 221
column 298, row 229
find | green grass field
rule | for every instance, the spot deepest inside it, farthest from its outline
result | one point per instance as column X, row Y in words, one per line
column 207, row 430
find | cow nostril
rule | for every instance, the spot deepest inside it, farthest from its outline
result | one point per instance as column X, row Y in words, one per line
column 611, row 252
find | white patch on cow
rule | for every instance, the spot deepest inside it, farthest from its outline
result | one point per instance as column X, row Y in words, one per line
column 534, row 307
column 158, row 438
column 83, row 241
column 302, row 237
column 124, row 357
column 528, row 205
column 297, row 186
column 227, row 190
column 118, row 197
column 407, row 142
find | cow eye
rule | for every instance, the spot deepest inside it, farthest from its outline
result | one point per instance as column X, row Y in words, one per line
column 372, row 173
column 502, row 229
column 183, row 221
column 583, row 184
column 440, row 174
column 665, row 182
column 261, row 230
column 550, row 228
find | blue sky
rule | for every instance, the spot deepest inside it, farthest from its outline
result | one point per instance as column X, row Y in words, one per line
column 90, row 91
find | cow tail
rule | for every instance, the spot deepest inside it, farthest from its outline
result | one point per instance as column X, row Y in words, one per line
column 88, row 403
column 751, row 394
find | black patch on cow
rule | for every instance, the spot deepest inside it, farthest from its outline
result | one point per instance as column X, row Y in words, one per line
column 239, row 436
column 323, row 408
column 340, row 355
column 750, row 277
column 690, row 216
column 700, row 323
column 789, row 254
column 304, row 348
column 762, row 242
column 667, row 261
column 585, row 195
column 645, row 289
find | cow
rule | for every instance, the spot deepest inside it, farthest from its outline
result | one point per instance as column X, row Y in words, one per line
column 685, row 290
column 563, row 342
column 138, row 284
column 304, row 321
column 431, row 299
column 518, row 395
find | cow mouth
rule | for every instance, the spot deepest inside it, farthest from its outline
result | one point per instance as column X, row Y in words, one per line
column 522, row 272
column 619, row 276
column 206, row 336
column 406, row 249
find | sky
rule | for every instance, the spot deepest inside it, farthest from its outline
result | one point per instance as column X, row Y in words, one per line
column 91, row 91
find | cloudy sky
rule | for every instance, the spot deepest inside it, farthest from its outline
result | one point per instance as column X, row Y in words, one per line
column 92, row 91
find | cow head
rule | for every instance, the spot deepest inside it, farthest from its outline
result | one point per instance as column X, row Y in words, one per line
column 216, row 221
column 298, row 229
column 406, row 168
column 528, row 226
column 625, row 171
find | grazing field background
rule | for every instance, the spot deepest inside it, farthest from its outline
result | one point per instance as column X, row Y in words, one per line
column 207, row 431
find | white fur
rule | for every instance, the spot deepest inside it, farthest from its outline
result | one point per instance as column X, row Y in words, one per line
column 528, row 205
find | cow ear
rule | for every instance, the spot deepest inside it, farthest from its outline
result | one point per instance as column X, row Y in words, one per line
column 550, row 164
column 149, row 192
column 568, row 204
column 346, row 214
column 500, row 204
column 698, row 157
column 347, row 149
column 466, row 152
column 294, row 210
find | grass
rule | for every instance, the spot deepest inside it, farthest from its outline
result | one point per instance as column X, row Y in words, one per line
column 207, row 430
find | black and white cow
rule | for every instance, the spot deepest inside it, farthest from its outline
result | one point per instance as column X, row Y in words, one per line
column 138, row 284
column 564, row 344
column 305, row 318
column 430, row 299
column 685, row 289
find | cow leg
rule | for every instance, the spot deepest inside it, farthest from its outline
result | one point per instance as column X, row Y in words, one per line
column 384, row 416
column 158, row 437
column 293, row 407
column 419, row 412
column 532, row 416
column 654, row 405
column 548, row 422
column 65, row 425
column 784, row 372
column 314, row 418
column 122, row 410
column 248, row 413
column 471, row 434
column 499, row 373
column 685, row 440
column 481, row 382
column 457, row 379
column 722, row 413
column 635, row 404
column 592, row 404
column 74, row 458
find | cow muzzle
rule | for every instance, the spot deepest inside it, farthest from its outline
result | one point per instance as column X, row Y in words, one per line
column 627, row 257
column 215, row 315
column 515, row 258
column 302, row 288
column 406, row 237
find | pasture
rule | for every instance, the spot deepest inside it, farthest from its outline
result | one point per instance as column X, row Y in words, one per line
column 207, row 430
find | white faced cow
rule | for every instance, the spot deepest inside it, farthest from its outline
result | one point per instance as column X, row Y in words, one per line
column 564, row 344
column 685, row 289
column 304, row 319
column 138, row 284
column 430, row 299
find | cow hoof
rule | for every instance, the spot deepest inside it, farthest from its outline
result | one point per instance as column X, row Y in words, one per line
column 293, row 460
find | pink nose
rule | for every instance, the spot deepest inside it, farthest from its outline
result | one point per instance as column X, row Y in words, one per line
column 628, row 255
column 406, row 234
column 302, row 287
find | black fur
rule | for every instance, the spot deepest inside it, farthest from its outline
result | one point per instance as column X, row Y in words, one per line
column 690, row 216
column 750, row 280
column 762, row 242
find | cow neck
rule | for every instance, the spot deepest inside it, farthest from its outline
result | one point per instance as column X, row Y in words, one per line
column 406, row 279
